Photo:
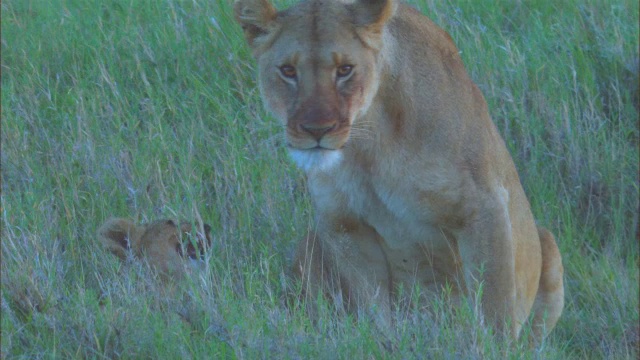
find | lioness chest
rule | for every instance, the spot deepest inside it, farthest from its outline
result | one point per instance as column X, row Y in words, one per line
column 405, row 210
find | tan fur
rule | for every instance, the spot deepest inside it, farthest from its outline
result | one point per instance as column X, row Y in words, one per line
column 165, row 245
column 411, row 181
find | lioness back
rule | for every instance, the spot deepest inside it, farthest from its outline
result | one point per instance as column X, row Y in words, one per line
column 411, row 182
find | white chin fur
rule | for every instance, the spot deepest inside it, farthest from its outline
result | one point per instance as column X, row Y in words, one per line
column 322, row 160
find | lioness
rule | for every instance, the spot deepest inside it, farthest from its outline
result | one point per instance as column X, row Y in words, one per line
column 411, row 182
column 167, row 246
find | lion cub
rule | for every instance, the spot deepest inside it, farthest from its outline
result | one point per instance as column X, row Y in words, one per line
column 167, row 246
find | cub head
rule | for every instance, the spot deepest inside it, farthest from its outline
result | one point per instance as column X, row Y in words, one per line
column 318, row 67
column 164, row 244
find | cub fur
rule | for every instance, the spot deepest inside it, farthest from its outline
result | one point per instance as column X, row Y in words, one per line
column 165, row 245
column 411, row 182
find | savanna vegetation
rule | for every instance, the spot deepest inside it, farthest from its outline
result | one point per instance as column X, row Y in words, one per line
column 148, row 109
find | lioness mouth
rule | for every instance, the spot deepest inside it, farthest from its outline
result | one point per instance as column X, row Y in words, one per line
column 313, row 149
column 319, row 147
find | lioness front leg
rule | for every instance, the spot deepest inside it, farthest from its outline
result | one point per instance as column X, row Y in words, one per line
column 487, row 252
column 348, row 267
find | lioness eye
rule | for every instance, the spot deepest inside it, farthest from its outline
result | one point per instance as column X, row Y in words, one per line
column 344, row 70
column 288, row 71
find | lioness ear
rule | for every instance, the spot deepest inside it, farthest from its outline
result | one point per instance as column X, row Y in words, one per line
column 257, row 20
column 370, row 16
column 119, row 235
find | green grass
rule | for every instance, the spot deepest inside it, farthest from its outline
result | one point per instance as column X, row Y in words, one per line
column 149, row 109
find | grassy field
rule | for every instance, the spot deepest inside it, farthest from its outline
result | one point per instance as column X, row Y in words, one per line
column 148, row 109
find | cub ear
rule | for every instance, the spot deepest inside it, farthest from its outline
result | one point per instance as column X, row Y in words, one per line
column 370, row 17
column 119, row 236
column 257, row 18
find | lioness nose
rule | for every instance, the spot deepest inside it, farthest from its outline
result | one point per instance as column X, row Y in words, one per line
column 318, row 130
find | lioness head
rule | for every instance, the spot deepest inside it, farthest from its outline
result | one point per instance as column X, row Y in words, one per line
column 318, row 68
column 164, row 244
